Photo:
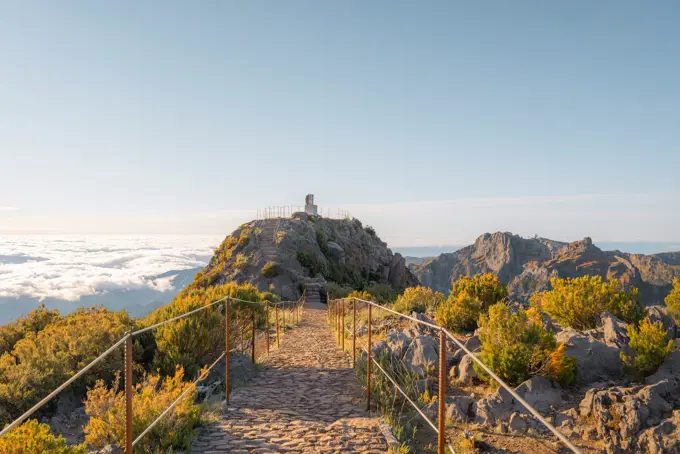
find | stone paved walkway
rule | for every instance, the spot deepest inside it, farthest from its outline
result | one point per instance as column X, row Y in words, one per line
column 306, row 400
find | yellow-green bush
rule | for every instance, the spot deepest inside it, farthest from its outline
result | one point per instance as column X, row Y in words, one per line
column 194, row 341
column 34, row 438
column 486, row 287
column 459, row 312
column 517, row 347
column 578, row 302
column 41, row 361
column 270, row 269
column 673, row 301
column 418, row 299
column 469, row 298
column 361, row 294
column 106, row 409
column 34, row 322
column 650, row 348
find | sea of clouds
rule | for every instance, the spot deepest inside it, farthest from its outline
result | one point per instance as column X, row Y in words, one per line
column 116, row 270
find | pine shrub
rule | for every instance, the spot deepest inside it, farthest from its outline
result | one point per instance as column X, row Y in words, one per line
column 673, row 301
column 578, row 302
column 650, row 348
column 33, row 437
column 418, row 299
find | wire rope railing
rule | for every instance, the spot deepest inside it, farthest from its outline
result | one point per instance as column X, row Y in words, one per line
column 294, row 310
column 336, row 318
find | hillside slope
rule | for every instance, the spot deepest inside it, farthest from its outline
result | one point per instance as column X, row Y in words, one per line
column 280, row 256
column 527, row 264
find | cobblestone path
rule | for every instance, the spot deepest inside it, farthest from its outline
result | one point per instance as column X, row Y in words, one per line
column 306, row 400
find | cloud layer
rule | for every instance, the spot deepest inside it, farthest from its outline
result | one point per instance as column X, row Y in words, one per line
column 70, row 267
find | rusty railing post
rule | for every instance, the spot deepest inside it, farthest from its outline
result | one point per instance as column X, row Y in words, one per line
column 442, row 392
column 128, row 394
column 297, row 308
column 227, row 351
column 284, row 316
column 266, row 324
column 278, row 340
column 343, row 326
column 253, row 338
column 368, row 363
column 354, row 334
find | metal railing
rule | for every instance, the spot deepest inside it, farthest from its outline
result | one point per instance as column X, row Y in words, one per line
column 292, row 308
column 279, row 212
column 336, row 318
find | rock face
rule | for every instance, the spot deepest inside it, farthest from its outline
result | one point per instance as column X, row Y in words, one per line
column 306, row 249
column 526, row 265
column 595, row 360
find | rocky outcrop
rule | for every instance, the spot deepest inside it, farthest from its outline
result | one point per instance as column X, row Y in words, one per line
column 306, row 249
column 595, row 360
column 527, row 264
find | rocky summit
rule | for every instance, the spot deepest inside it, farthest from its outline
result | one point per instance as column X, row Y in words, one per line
column 283, row 256
column 527, row 264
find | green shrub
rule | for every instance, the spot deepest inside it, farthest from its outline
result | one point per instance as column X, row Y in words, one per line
column 517, row 347
column 308, row 261
column 194, row 341
column 673, row 301
column 486, row 287
column 382, row 294
column 336, row 291
column 459, row 312
column 578, row 302
column 370, row 230
column 41, row 361
column 34, row 438
column 650, row 348
column 469, row 298
column 241, row 261
column 418, row 299
column 270, row 269
column 361, row 294
column 106, row 409
column 34, row 322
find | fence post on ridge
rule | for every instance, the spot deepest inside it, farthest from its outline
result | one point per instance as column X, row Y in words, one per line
column 128, row 394
column 253, row 339
column 276, row 311
column 227, row 354
column 442, row 391
column 368, row 363
column 266, row 323
column 343, row 325
column 354, row 334
column 284, row 316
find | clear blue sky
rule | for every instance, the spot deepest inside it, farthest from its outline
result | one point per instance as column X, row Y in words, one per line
column 169, row 116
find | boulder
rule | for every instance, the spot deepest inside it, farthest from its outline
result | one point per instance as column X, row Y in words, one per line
column 664, row 438
column 380, row 348
column 595, row 360
column 424, row 385
column 466, row 371
column 421, row 355
column 459, row 408
column 619, row 414
column 670, row 369
column 517, row 423
column 398, row 343
column 660, row 314
column 472, row 343
column 336, row 252
column 614, row 330
column 540, row 392
column 419, row 327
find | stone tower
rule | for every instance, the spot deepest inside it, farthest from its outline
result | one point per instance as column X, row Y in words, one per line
column 310, row 208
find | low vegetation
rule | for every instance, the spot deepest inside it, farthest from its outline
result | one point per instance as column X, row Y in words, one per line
column 578, row 302
column 106, row 408
column 33, row 437
column 42, row 360
column 517, row 347
column 650, row 348
column 470, row 297
column 673, row 301
column 418, row 299
column 270, row 270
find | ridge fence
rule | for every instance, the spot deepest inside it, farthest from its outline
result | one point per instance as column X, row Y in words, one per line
column 292, row 308
column 337, row 312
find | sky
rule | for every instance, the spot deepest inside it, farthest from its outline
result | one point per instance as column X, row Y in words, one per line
column 432, row 121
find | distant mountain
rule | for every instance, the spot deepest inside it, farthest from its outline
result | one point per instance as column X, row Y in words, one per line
column 414, row 262
column 527, row 264
column 138, row 302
